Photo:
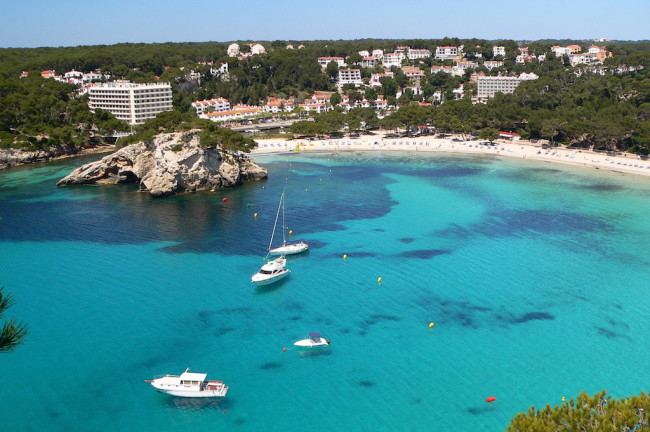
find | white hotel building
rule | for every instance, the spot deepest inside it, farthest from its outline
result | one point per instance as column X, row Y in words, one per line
column 488, row 86
column 133, row 103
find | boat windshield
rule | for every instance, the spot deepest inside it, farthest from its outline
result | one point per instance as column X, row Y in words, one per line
column 268, row 272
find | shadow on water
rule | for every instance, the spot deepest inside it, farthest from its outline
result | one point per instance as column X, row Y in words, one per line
column 197, row 404
column 275, row 286
column 424, row 253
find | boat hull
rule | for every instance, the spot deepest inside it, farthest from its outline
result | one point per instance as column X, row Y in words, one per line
column 261, row 280
column 311, row 343
column 290, row 249
column 193, row 394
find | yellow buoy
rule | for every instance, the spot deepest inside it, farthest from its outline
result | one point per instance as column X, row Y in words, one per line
column 255, row 215
column 345, row 256
column 286, row 178
column 290, row 232
column 431, row 325
column 563, row 399
column 330, row 170
column 378, row 280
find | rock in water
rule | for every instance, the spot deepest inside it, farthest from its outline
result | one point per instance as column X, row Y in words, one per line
column 170, row 164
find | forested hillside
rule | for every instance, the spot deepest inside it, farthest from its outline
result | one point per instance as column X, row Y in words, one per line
column 570, row 105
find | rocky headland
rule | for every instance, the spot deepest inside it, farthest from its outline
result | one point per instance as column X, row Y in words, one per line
column 14, row 157
column 169, row 164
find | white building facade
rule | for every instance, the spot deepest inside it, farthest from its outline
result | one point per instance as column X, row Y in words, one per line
column 350, row 76
column 414, row 54
column 133, row 103
column 392, row 59
column 218, row 105
column 447, row 52
column 488, row 86
column 324, row 61
column 499, row 51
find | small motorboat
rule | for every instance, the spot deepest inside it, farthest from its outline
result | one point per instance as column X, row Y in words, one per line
column 189, row 384
column 270, row 272
column 315, row 340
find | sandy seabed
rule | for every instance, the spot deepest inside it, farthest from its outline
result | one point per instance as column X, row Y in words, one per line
column 622, row 163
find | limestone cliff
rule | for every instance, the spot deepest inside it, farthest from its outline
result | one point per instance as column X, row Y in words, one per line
column 170, row 164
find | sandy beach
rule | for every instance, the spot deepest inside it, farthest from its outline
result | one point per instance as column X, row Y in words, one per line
column 623, row 163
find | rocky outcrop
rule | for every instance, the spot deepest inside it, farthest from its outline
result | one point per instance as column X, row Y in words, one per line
column 12, row 157
column 170, row 164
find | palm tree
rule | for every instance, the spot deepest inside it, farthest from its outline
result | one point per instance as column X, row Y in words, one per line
column 13, row 331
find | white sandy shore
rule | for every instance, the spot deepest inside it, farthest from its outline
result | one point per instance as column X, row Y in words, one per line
column 624, row 163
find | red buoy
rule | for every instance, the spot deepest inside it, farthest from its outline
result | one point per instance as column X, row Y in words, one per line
column 491, row 399
column 224, row 199
column 284, row 349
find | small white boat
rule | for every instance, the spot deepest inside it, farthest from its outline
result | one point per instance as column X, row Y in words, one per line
column 290, row 248
column 270, row 272
column 285, row 248
column 189, row 384
column 315, row 340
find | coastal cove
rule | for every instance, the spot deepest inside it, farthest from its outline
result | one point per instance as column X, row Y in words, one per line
column 459, row 144
column 535, row 275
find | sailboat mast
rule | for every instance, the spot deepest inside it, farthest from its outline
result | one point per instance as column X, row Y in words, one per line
column 277, row 214
column 284, row 225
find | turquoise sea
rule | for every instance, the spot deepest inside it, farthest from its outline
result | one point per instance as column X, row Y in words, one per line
column 536, row 276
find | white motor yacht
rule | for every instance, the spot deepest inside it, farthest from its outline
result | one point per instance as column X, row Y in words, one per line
column 315, row 340
column 189, row 384
column 270, row 272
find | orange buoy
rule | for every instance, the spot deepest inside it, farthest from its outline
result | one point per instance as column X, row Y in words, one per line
column 224, row 199
column 491, row 399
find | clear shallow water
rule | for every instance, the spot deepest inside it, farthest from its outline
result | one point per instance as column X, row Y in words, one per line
column 536, row 278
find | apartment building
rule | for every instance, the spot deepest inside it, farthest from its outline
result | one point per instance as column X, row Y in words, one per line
column 491, row 64
column 216, row 105
column 488, row 86
column 414, row 54
column 368, row 62
column 324, row 61
column 392, row 59
column 133, row 103
column 350, row 76
column 447, row 52
column 375, row 78
column 499, row 51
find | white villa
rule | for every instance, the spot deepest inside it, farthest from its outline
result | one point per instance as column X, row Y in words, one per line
column 491, row 64
column 324, row 61
column 376, row 77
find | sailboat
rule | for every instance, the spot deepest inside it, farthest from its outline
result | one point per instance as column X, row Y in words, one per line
column 286, row 248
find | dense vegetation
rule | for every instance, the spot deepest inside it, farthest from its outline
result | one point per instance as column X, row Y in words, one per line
column 600, row 413
column 583, row 109
column 13, row 332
